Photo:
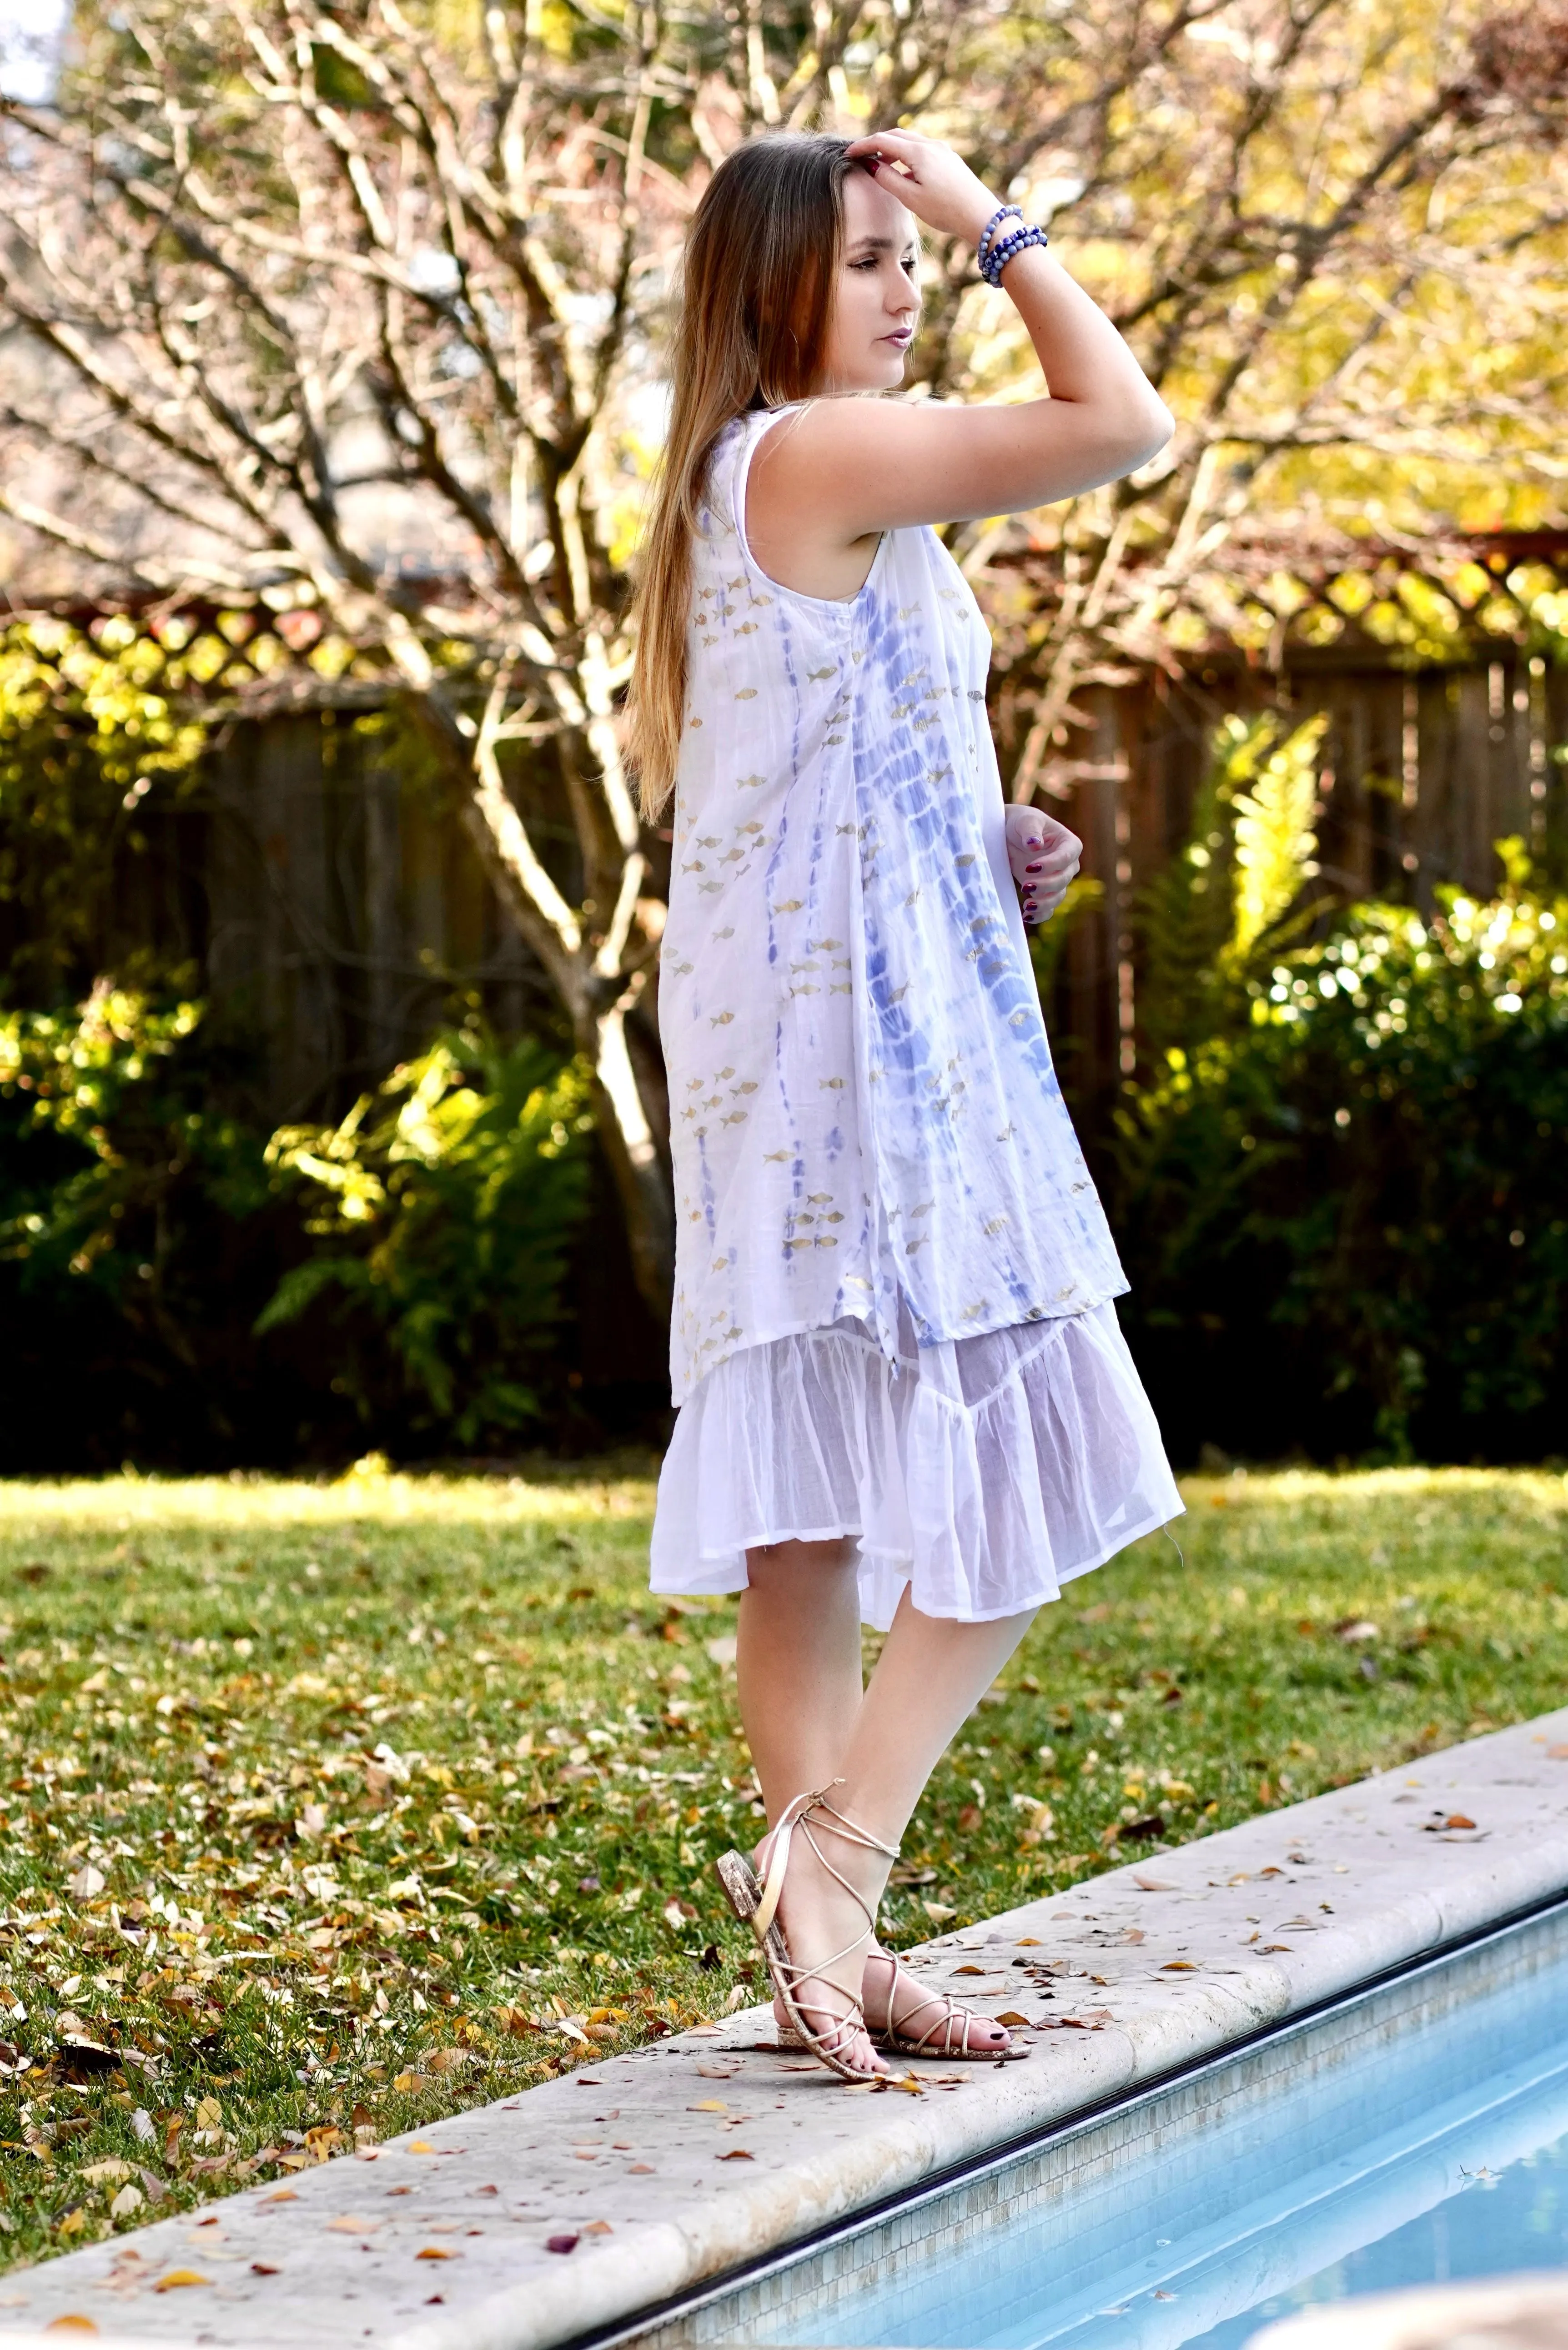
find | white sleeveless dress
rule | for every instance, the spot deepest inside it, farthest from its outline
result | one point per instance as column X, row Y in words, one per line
column 893, row 1274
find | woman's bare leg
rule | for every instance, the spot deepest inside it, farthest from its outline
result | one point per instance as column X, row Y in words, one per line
column 797, row 1664
column 932, row 1675
column 798, row 1667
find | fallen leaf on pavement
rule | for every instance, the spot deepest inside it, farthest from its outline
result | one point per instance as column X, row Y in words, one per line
column 737, row 2154
column 177, row 2277
column 436, row 2252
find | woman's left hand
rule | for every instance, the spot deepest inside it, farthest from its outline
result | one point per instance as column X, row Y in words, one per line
column 1044, row 856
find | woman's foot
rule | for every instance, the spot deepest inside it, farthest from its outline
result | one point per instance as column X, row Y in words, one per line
column 817, row 1914
column 901, row 2012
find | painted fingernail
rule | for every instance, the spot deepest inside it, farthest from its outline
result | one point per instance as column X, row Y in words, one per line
column 1038, row 866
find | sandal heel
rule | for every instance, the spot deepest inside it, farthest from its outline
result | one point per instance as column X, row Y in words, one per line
column 738, row 1883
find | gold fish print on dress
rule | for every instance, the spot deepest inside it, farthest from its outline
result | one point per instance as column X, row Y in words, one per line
column 746, row 694
column 816, row 675
column 789, row 905
column 750, row 782
column 721, row 1019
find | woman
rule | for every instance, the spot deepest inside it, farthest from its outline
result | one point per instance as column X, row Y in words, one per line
column 904, row 1393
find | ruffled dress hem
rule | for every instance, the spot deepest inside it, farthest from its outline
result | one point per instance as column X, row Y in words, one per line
column 983, row 1474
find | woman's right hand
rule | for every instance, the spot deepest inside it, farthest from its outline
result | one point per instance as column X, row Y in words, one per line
column 929, row 180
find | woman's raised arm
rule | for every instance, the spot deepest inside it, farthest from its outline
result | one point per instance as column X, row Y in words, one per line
column 852, row 468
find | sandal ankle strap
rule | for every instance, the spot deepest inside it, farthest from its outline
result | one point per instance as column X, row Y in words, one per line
column 797, row 1815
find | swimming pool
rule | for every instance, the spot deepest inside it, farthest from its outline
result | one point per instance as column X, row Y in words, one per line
column 1413, row 2133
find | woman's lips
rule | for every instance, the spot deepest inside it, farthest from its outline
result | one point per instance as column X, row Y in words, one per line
column 903, row 336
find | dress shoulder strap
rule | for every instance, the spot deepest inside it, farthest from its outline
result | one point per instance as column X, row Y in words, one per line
column 730, row 461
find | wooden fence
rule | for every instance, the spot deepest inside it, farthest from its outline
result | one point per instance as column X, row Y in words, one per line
column 1422, row 772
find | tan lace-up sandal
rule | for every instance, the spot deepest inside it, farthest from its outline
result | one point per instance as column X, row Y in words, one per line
column 946, row 2035
column 829, row 2037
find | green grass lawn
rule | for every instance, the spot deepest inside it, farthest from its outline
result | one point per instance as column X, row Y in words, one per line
column 329, row 1809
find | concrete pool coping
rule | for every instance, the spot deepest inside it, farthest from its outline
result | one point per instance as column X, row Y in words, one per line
column 706, row 2153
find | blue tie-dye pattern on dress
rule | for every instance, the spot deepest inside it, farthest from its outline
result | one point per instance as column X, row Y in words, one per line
column 863, row 1104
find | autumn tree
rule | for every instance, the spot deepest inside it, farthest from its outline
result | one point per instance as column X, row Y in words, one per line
column 357, row 307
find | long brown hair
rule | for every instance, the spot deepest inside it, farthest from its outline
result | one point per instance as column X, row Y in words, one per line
column 761, row 259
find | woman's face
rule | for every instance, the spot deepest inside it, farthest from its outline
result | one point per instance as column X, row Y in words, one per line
column 876, row 298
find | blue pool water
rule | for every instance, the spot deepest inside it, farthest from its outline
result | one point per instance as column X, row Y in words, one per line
column 1416, row 2135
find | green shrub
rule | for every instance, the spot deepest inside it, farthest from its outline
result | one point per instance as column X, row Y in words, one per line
column 1346, row 1205
column 175, row 1288
column 442, row 1211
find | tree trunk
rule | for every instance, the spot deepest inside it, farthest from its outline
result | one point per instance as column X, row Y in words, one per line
column 638, row 1161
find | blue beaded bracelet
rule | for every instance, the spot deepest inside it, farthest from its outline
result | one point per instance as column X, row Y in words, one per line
column 1007, row 248
column 988, row 233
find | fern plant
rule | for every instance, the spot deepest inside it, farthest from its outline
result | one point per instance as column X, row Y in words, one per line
column 1230, row 896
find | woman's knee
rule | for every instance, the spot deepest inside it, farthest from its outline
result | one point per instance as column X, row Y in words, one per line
column 774, row 1567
